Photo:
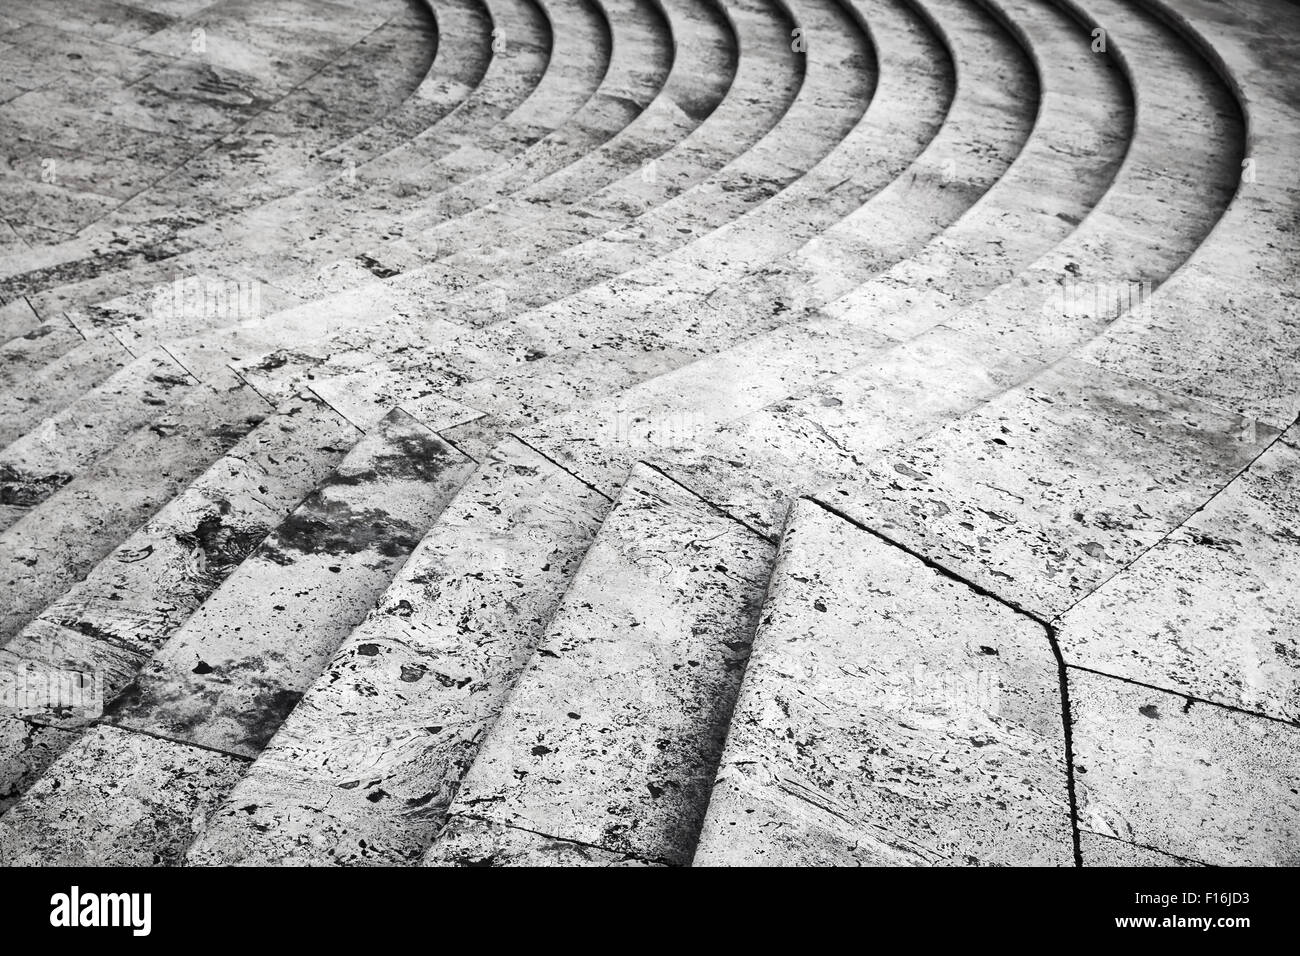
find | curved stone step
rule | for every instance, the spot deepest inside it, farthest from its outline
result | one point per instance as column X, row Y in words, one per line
column 191, row 360
column 672, row 313
column 730, row 129
column 749, row 85
column 460, row 835
column 542, row 108
column 57, row 540
column 288, row 221
column 1179, row 750
column 285, row 786
column 223, row 682
column 195, row 96
column 363, row 770
column 752, row 466
column 1046, row 467
column 611, row 733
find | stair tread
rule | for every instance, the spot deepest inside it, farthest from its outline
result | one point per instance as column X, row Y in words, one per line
column 888, row 716
column 611, row 733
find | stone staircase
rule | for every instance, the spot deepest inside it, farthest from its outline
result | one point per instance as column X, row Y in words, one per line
column 650, row 432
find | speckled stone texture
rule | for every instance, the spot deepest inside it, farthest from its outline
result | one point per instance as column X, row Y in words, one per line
column 889, row 716
column 613, row 730
column 229, row 677
column 1098, row 850
column 1213, row 610
column 648, row 432
column 1199, row 781
column 1047, row 491
column 363, row 770
column 142, row 813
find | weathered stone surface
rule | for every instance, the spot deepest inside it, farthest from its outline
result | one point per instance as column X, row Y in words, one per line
column 44, row 459
column 234, row 670
column 26, row 750
column 1213, row 610
column 1021, row 306
column 1046, row 492
column 466, row 841
column 1098, row 850
column 364, row 768
column 59, row 540
column 612, row 732
column 1197, row 780
column 138, row 595
column 889, row 715
column 116, row 798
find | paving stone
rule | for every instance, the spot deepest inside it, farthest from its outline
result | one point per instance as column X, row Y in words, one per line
column 1046, row 492
column 1100, row 850
column 1197, row 780
column 1211, row 611
column 889, row 715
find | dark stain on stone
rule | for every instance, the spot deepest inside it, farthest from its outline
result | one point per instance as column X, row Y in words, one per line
column 1150, row 711
column 20, row 488
column 265, row 713
column 413, row 455
column 320, row 526
column 377, row 268
column 412, row 672
column 222, row 546
column 104, row 260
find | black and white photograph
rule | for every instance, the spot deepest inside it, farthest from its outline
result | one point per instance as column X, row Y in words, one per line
column 650, row 434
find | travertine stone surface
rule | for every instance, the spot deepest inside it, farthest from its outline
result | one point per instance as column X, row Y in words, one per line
column 1046, row 492
column 126, row 799
column 889, row 715
column 1244, row 274
column 925, row 351
column 752, row 466
column 612, row 732
column 58, row 541
column 1098, row 850
column 467, row 841
column 43, row 460
column 128, row 102
column 26, row 750
column 363, row 770
column 235, row 669
column 134, row 599
column 1213, row 610
column 155, row 579
column 1196, row 780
